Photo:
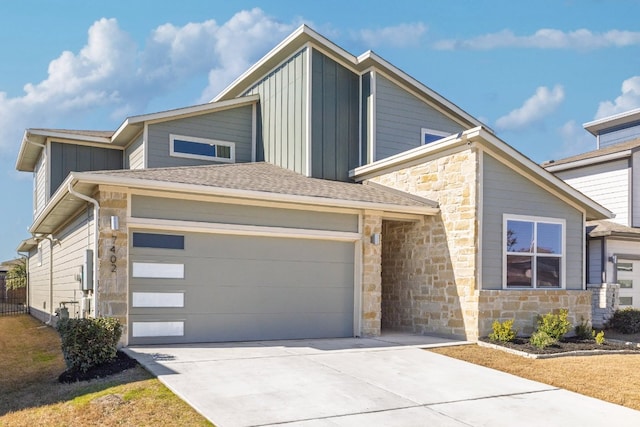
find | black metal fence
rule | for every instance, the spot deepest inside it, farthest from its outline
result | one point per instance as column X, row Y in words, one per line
column 13, row 301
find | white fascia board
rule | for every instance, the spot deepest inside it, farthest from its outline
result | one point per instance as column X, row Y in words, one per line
column 617, row 119
column 65, row 135
column 248, row 194
column 588, row 162
column 185, row 111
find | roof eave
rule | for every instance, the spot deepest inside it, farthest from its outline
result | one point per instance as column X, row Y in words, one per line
column 552, row 167
column 595, row 126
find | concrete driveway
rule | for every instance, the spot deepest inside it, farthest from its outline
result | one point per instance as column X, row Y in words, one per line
column 388, row 381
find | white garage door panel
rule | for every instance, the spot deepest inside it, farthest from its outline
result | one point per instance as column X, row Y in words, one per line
column 256, row 288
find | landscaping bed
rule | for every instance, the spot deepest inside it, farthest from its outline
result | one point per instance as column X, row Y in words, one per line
column 121, row 363
column 564, row 347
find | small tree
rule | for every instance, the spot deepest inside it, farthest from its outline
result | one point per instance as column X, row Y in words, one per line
column 16, row 278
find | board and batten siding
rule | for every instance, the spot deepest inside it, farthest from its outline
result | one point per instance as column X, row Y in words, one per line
column 334, row 119
column 134, row 154
column 67, row 158
column 282, row 111
column 191, row 210
column 400, row 117
column 232, row 125
column 635, row 189
column 606, row 183
column 40, row 185
column 507, row 192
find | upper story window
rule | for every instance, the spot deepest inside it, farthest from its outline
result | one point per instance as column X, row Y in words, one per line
column 430, row 135
column 202, row 148
column 534, row 250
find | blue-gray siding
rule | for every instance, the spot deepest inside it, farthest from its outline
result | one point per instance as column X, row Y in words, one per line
column 190, row 210
column 67, row 158
column 134, row 154
column 366, row 99
column 282, row 131
column 400, row 117
column 505, row 191
column 627, row 133
column 233, row 125
column 335, row 124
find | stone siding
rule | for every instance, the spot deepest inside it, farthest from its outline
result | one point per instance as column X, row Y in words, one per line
column 604, row 302
column 430, row 266
column 371, row 275
column 524, row 306
column 112, row 257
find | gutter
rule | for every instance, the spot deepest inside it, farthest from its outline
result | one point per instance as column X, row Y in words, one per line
column 96, row 224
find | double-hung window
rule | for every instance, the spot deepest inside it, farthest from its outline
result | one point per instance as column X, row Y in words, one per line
column 534, row 252
column 202, row 148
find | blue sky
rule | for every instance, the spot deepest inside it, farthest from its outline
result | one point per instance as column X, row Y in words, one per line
column 533, row 71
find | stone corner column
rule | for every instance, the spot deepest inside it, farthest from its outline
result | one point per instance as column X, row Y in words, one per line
column 371, row 274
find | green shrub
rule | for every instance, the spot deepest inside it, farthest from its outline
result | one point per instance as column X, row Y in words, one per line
column 599, row 337
column 554, row 325
column 626, row 321
column 541, row 339
column 89, row 342
column 584, row 331
column 503, row 332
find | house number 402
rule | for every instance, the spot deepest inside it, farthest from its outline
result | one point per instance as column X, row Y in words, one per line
column 113, row 258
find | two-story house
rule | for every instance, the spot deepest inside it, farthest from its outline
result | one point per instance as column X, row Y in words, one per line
column 610, row 175
column 321, row 194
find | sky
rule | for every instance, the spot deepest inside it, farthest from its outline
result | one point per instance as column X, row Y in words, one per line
column 533, row 71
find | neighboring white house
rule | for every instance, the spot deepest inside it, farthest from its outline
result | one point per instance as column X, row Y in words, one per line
column 610, row 175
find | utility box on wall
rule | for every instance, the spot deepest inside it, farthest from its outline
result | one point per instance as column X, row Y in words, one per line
column 87, row 271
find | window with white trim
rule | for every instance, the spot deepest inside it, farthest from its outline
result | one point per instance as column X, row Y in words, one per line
column 427, row 136
column 534, row 252
column 191, row 147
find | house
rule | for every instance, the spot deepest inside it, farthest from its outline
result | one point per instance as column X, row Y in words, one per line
column 610, row 175
column 319, row 195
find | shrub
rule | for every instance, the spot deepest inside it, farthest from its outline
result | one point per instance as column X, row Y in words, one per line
column 503, row 332
column 599, row 337
column 89, row 342
column 626, row 321
column 554, row 325
column 584, row 331
column 541, row 339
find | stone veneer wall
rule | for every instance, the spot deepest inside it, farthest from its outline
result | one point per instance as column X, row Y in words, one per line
column 604, row 302
column 112, row 285
column 524, row 306
column 371, row 275
column 429, row 269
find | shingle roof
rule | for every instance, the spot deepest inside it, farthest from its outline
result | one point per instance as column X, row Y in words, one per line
column 609, row 228
column 268, row 178
column 623, row 146
column 94, row 133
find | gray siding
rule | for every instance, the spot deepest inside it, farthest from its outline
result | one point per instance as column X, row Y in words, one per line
column 335, row 124
column 232, row 125
column 367, row 106
column 282, row 130
column 134, row 154
column 39, row 282
column 505, row 191
column 595, row 262
column 67, row 158
column 189, row 210
column 620, row 135
column 239, row 288
column 400, row 117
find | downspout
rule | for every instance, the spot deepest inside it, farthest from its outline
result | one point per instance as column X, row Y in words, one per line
column 96, row 225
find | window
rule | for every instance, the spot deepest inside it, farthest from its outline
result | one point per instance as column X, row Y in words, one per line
column 202, row 148
column 160, row 241
column 429, row 135
column 533, row 252
column 39, row 255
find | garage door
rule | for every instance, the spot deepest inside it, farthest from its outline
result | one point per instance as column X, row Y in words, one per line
column 211, row 288
column 628, row 275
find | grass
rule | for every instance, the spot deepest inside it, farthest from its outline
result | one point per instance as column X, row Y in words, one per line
column 30, row 363
column 614, row 378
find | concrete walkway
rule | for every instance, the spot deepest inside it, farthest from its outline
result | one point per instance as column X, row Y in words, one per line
column 388, row 381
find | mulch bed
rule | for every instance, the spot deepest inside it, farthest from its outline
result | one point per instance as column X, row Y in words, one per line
column 120, row 363
column 566, row 345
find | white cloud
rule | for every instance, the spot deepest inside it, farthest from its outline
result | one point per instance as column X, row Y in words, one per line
column 546, row 38
column 575, row 140
column 113, row 76
column 540, row 105
column 628, row 100
column 401, row 35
